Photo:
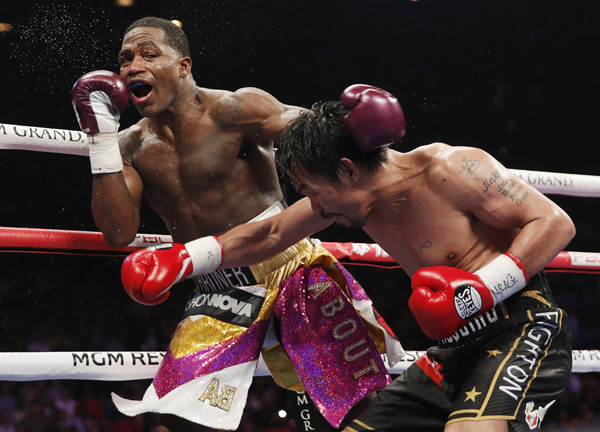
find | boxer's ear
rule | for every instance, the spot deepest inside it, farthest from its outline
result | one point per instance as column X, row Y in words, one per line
column 348, row 171
column 185, row 67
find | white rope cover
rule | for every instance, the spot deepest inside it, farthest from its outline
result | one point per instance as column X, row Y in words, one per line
column 130, row 365
column 561, row 184
column 41, row 139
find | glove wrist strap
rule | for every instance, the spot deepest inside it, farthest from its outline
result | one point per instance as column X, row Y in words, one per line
column 206, row 254
column 105, row 156
column 504, row 276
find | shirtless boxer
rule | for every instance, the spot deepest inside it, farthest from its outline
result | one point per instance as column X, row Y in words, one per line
column 203, row 159
column 473, row 237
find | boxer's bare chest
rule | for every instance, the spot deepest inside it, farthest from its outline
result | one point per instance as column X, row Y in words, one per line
column 431, row 230
column 206, row 180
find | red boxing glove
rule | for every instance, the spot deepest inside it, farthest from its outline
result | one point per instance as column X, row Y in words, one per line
column 148, row 274
column 375, row 119
column 444, row 299
column 98, row 99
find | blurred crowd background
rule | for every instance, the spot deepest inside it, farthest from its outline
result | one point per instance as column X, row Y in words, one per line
column 518, row 79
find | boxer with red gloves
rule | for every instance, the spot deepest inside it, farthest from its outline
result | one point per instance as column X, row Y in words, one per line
column 99, row 98
column 473, row 237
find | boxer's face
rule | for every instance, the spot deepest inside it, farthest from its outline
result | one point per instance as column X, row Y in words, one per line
column 331, row 200
column 151, row 69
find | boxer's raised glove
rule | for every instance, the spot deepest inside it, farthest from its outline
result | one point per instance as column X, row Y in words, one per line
column 375, row 119
column 98, row 98
column 148, row 274
column 444, row 299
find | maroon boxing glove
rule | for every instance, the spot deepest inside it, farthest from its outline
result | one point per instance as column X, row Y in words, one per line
column 375, row 119
column 98, row 99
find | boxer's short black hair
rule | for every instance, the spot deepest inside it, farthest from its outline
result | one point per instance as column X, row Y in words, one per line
column 174, row 36
column 316, row 140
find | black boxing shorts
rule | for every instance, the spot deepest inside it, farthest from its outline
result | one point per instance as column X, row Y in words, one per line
column 511, row 367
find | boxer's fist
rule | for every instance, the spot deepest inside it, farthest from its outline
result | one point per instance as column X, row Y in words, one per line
column 445, row 298
column 148, row 274
column 98, row 99
column 375, row 119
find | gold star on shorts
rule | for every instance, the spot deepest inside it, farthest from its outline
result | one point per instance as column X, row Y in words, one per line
column 493, row 353
column 472, row 394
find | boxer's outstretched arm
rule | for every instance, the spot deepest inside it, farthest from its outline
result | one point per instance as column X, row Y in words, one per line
column 257, row 241
column 148, row 274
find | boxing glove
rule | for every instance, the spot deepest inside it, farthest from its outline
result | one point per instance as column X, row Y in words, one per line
column 148, row 274
column 98, row 98
column 375, row 119
column 444, row 299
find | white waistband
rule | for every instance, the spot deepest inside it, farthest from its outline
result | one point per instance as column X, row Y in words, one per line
column 272, row 210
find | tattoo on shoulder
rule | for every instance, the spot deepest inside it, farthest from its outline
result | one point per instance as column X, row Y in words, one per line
column 469, row 168
column 426, row 245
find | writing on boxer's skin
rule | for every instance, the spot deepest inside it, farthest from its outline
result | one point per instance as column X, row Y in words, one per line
column 488, row 182
column 426, row 245
column 344, row 329
column 511, row 189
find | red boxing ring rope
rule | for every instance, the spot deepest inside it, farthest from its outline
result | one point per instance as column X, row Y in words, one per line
column 93, row 243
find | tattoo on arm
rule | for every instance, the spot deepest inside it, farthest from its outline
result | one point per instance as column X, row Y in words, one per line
column 507, row 187
column 426, row 245
column 469, row 168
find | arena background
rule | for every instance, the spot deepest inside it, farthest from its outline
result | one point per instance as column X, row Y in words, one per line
column 516, row 78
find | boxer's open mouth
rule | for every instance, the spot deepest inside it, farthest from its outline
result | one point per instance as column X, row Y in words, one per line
column 140, row 89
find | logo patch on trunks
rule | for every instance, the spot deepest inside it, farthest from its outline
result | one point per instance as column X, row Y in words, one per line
column 467, row 301
column 534, row 417
column 232, row 305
